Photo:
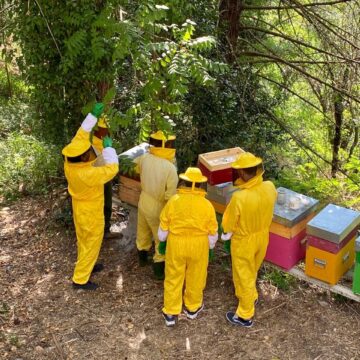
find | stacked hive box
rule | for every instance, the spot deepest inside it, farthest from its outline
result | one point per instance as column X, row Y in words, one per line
column 288, row 229
column 331, row 243
column 356, row 278
column 130, row 188
column 220, row 195
column 216, row 166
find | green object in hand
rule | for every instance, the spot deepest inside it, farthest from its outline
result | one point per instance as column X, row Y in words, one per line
column 97, row 109
column 107, row 142
column 227, row 245
column 211, row 255
column 162, row 247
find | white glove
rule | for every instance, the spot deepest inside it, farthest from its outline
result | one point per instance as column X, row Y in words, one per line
column 212, row 240
column 226, row 236
column 162, row 234
column 89, row 122
column 109, row 155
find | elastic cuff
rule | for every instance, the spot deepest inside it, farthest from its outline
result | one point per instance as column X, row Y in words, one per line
column 162, row 234
column 212, row 240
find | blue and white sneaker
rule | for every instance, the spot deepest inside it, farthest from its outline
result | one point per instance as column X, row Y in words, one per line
column 193, row 314
column 170, row 320
column 236, row 320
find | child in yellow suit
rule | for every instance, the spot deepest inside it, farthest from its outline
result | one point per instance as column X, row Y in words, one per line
column 188, row 223
column 246, row 222
column 86, row 187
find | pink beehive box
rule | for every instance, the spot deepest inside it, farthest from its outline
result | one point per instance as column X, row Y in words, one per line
column 283, row 251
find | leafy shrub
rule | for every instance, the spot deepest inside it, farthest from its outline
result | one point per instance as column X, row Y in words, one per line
column 27, row 165
column 16, row 116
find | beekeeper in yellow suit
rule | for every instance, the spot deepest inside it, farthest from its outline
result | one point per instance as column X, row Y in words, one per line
column 159, row 180
column 246, row 221
column 188, row 223
column 100, row 133
column 86, row 187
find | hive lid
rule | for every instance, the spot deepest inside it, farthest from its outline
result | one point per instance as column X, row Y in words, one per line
column 136, row 151
column 290, row 214
column 333, row 223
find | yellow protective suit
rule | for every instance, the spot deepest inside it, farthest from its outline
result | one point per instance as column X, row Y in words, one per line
column 97, row 144
column 189, row 218
column 86, row 187
column 248, row 216
column 158, row 183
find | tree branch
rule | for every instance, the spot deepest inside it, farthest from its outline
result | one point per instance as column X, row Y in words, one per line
column 299, row 42
column 303, row 145
column 254, row 7
column 48, row 26
column 308, row 15
column 278, row 59
column 297, row 95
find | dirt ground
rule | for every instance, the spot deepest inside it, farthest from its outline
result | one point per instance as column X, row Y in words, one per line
column 42, row 317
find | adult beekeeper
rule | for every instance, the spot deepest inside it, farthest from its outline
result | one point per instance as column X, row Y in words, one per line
column 189, row 228
column 159, row 180
column 100, row 133
column 246, row 222
column 86, row 187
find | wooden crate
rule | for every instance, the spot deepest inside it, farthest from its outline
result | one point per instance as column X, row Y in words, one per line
column 129, row 190
column 221, row 159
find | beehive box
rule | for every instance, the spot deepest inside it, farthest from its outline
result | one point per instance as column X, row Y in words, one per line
column 219, row 208
column 288, row 229
column 216, row 165
column 329, row 267
column 356, row 277
column 333, row 223
column 284, row 252
column 221, row 193
column 292, row 212
column 329, row 246
column 129, row 188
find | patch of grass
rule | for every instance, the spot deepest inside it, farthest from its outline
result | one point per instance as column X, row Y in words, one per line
column 280, row 279
column 4, row 309
column 340, row 298
column 14, row 340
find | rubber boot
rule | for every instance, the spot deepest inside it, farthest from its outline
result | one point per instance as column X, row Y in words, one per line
column 143, row 257
column 159, row 270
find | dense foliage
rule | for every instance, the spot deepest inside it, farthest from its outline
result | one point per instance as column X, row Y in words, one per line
column 278, row 78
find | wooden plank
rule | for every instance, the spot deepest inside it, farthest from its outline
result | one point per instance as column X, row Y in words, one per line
column 338, row 288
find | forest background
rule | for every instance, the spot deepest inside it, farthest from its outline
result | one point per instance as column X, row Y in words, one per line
column 277, row 78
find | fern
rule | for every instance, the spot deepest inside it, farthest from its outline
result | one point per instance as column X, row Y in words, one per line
column 75, row 44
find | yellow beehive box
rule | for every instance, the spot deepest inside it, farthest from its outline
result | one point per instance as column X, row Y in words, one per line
column 219, row 208
column 290, row 232
column 327, row 266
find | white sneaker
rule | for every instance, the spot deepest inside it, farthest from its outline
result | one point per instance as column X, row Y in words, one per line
column 193, row 314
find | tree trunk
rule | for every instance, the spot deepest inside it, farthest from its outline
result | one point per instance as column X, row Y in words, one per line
column 338, row 117
column 8, row 77
column 229, row 24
